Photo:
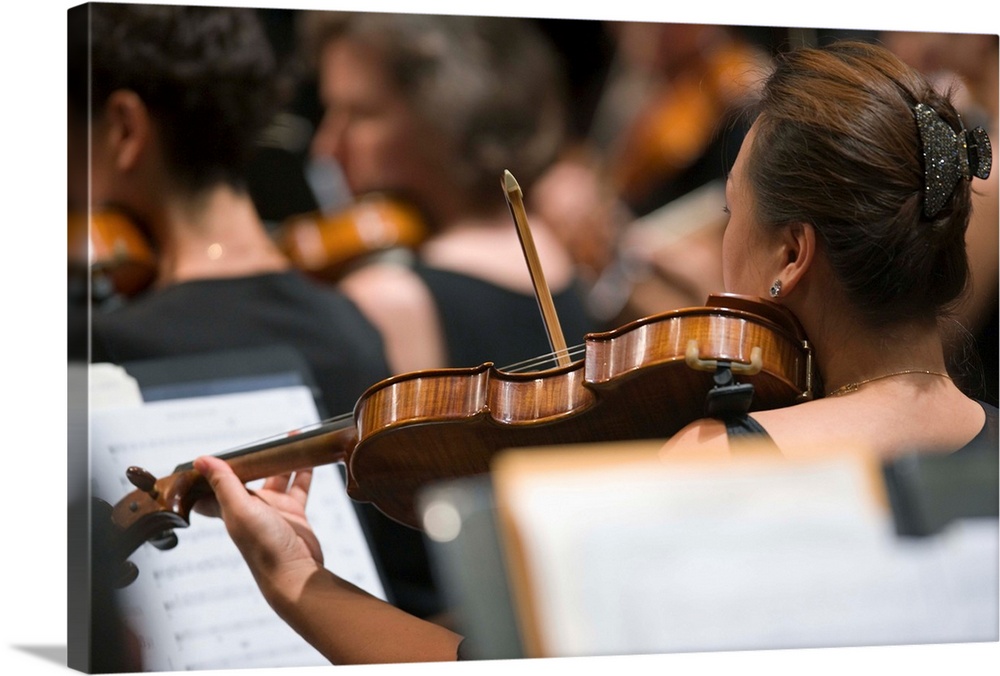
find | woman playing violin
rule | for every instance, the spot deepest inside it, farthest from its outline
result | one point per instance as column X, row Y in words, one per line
column 870, row 258
column 847, row 204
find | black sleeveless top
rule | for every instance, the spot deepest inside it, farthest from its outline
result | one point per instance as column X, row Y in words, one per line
column 484, row 322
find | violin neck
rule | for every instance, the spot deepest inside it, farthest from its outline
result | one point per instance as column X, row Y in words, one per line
column 324, row 445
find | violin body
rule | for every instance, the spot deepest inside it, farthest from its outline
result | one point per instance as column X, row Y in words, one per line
column 113, row 249
column 644, row 380
column 328, row 245
column 635, row 382
column 677, row 125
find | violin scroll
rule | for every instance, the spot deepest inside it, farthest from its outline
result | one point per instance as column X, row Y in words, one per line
column 151, row 513
column 157, row 507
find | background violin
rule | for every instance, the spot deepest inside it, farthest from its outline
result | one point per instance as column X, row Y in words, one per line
column 114, row 251
column 328, row 245
column 670, row 117
column 644, row 380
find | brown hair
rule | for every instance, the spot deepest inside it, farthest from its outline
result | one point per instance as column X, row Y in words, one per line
column 490, row 86
column 837, row 146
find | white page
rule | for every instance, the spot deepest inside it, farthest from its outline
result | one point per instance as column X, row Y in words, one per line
column 655, row 560
column 196, row 606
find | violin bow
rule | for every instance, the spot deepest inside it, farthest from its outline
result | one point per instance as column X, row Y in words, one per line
column 515, row 202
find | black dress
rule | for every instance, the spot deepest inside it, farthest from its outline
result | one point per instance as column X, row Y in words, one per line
column 484, row 322
column 343, row 349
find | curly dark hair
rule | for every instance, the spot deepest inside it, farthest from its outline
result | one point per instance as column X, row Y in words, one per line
column 207, row 74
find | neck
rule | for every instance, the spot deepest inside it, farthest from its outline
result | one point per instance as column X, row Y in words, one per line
column 847, row 349
column 849, row 355
column 212, row 235
column 450, row 210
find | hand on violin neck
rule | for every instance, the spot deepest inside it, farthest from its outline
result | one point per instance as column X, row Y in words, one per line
column 343, row 622
column 268, row 525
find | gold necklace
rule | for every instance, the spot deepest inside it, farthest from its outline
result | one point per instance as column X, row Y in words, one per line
column 853, row 387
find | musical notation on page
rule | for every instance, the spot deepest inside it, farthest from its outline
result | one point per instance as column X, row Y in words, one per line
column 196, row 606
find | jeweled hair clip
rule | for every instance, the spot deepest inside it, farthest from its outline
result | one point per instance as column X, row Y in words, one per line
column 949, row 156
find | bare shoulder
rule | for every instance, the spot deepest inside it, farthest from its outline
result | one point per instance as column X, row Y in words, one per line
column 401, row 307
column 705, row 438
column 881, row 422
column 387, row 285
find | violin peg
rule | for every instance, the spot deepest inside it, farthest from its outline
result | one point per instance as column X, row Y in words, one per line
column 141, row 479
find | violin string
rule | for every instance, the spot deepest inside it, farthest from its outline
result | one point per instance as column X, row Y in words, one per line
column 535, row 362
column 518, row 367
column 572, row 352
column 333, row 422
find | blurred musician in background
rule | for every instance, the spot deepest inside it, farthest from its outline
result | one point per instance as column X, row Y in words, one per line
column 669, row 121
column 664, row 133
column 178, row 97
column 433, row 109
column 429, row 111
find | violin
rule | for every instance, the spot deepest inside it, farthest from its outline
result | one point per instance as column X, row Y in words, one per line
column 644, row 380
column 677, row 126
column 116, row 253
column 328, row 245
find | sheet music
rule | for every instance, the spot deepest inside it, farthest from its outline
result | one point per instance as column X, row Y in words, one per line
column 643, row 559
column 196, row 606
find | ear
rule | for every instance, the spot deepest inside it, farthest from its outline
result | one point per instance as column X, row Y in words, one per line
column 797, row 250
column 129, row 128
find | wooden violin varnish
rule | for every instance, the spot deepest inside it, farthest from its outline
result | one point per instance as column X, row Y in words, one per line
column 329, row 245
column 113, row 249
column 644, row 380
